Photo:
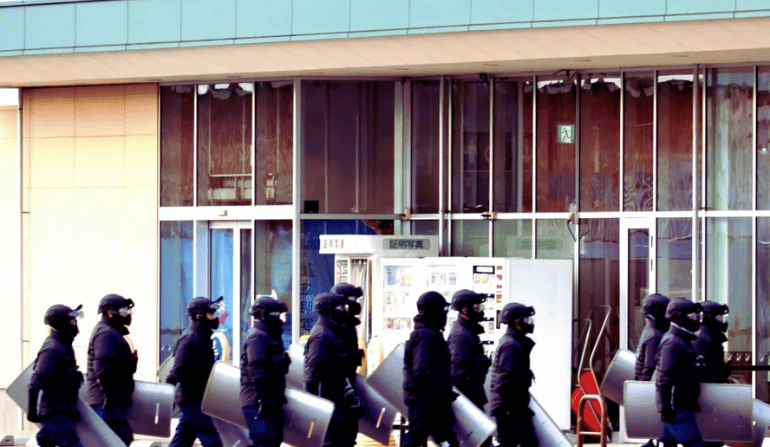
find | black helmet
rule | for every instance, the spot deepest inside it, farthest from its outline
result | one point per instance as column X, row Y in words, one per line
column 265, row 305
column 327, row 300
column 655, row 305
column 464, row 298
column 347, row 290
column 711, row 311
column 202, row 305
column 431, row 301
column 684, row 312
column 515, row 311
column 114, row 301
column 58, row 314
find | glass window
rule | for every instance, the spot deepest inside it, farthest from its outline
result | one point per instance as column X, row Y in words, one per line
column 675, row 94
column 513, row 146
column 224, row 144
column 555, row 239
column 176, row 287
column 426, row 139
column 177, row 156
column 638, row 134
column 513, row 238
column 674, row 264
column 470, row 238
column 728, row 275
column 600, row 143
column 555, row 144
column 425, row 227
column 317, row 270
column 272, row 266
column 762, row 326
column 470, row 147
column 221, row 282
column 273, row 129
column 599, row 287
column 763, row 139
column 348, row 147
column 730, row 127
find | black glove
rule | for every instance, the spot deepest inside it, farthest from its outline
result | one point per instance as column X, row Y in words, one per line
column 351, row 399
column 667, row 415
column 75, row 415
column 32, row 415
column 285, row 362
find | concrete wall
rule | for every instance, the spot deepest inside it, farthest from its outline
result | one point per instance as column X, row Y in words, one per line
column 90, row 199
column 66, row 26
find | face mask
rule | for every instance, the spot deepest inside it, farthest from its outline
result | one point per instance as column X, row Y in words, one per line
column 691, row 321
column 476, row 313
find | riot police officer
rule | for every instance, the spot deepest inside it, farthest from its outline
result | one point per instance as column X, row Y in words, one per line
column 264, row 364
column 654, row 308
column 111, row 365
column 355, row 355
column 428, row 391
column 53, row 388
column 708, row 343
column 677, row 385
column 326, row 364
column 512, row 377
column 469, row 364
column 708, row 346
column 193, row 361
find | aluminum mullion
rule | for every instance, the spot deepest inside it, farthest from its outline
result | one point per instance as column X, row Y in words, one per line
column 296, row 222
column 441, row 174
column 622, row 146
column 491, row 196
column 655, row 140
column 754, row 317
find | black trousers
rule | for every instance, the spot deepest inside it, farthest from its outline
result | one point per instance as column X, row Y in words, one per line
column 515, row 428
column 426, row 420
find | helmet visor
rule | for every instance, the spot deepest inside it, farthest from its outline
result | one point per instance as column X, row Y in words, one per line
column 478, row 307
column 77, row 313
column 695, row 316
column 125, row 311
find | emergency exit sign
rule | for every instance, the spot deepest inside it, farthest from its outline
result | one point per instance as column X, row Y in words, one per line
column 566, row 133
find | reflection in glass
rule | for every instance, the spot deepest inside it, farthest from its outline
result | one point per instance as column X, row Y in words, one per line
column 728, row 275
column 177, row 155
column 470, row 147
column 221, row 262
column 246, row 295
column 729, row 151
column 599, row 287
column 763, row 139
column 513, row 146
column 176, row 288
column 272, row 265
column 513, row 238
column 638, row 240
column 555, row 239
column 273, row 128
column 224, row 144
column 555, row 144
column 317, row 270
column 600, row 143
column 347, row 146
column 762, row 325
column 425, row 227
column 675, row 93
column 674, row 268
column 425, row 146
column 470, row 238
column 638, row 134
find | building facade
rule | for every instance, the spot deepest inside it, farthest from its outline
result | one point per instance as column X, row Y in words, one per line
column 166, row 149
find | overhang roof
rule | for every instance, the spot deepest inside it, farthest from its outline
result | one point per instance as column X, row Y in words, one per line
column 497, row 51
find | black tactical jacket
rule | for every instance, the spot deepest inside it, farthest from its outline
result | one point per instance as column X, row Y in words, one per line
column 263, row 368
column 326, row 360
column 111, row 366
column 677, row 385
column 511, row 374
column 55, row 377
column 708, row 344
column 193, row 360
column 647, row 350
column 427, row 367
column 469, row 364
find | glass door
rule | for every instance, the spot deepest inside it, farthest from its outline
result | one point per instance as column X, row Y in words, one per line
column 637, row 276
column 230, row 277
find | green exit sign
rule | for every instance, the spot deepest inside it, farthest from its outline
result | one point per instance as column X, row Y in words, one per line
column 566, row 133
